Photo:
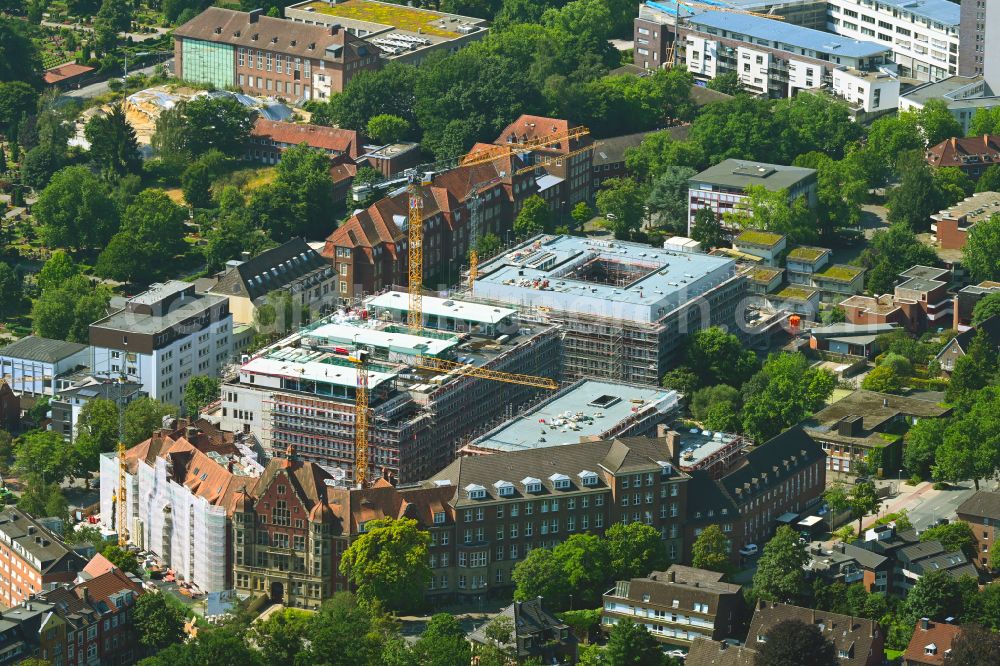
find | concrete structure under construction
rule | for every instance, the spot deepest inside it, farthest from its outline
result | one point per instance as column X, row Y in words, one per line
column 300, row 392
column 623, row 308
column 584, row 411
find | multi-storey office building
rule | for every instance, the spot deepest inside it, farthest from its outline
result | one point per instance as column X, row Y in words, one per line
column 270, row 57
column 923, row 35
column 162, row 337
column 623, row 308
column 40, row 366
column 69, row 403
column 301, row 390
column 772, row 58
column 677, row 605
column 31, row 558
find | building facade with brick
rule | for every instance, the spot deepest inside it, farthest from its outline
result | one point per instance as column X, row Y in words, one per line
column 982, row 512
column 678, row 605
column 858, row 641
column 31, row 558
column 269, row 57
column 270, row 138
column 919, row 301
column 972, row 155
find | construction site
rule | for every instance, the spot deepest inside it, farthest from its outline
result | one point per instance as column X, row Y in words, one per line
column 586, row 410
column 426, row 391
column 624, row 309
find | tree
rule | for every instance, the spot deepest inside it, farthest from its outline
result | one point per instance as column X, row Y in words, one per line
column 975, row 645
column 982, row 249
column 442, row 643
column 56, row 271
column 581, row 565
column 388, row 562
column 702, row 401
column 784, row 392
column 840, row 191
column 20, row 61
column 538, row 575
column 389, row 91
column 305, row 174
column 98, row 427
column 974, row 370
column 157, row 623
column 280, row 637
column 488, row 244
column 864, row 499
column 631, row 644
column 707, row 230
column 10, row 287
column 779, row 575
column 917, row 196
column 988, row 306
column 953, row 536
column 937, row 122
column 718, row 357
column 581, row 214
column 953, row 184
column 935, row 595
column 967, row 451
column 620, row 201
column 668, row 198
column 201, row 390
column 728, row 83
column 989, row 181
column 152, row 231
column 196, row 182
column 921, row 443
column 113, row 145
column 890, row 252
column 222, row 123
column 658, row 152
column 884, row 379
column 42, row 457
column 772, row 211
column 143, row 416
column 344, row 633
column 533, row 218
column 117, row 13
column 75, row 210
column 795, row 643
column 217, row 647
column 17, row 100
column 387, row 128
column 711, row 550
column 681, row 380
column 635, row 549
column 124, row 559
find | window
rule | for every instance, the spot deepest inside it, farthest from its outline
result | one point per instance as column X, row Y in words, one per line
column 439, row 518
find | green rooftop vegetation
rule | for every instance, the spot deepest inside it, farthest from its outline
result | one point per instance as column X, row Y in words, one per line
column 803, row 253
column 795, row 293
column 764, row 274
column 840, row 273
column 754, row 237
column 400, row 16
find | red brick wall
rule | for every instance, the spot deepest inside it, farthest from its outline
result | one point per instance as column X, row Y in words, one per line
column 949, row 236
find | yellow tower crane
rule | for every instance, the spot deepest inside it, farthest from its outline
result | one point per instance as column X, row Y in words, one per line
column 419, row 178
column 122, row 497
column 671, row 57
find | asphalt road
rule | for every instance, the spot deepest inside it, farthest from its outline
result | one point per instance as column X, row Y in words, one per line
column 96, row 89
column 925, row 506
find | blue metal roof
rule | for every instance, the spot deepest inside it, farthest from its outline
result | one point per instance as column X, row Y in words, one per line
column 787, row 33
column 941, row 11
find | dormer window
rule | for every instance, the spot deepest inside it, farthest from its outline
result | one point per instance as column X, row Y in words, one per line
column 475, row 491
column 504, row 488
column 531, row 484
column 588, row 478
column 559, row 481
column 930, row 649
column 666, row 468
column 439, row 517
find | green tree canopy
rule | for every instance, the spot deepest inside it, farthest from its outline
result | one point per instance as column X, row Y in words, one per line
column 631, row 644
column 144, row 416
column 922, row 441
column 953, row 536
column 707, row 230
column 779, row 575
column 703, row 400
column 890, row 252
column 917, row 196
column 533, row 218
column 113, row 145
column 387, row 128
column 388, row 562
column 56, row 271
column 988, row 306
column 157, row 623
column 711, row 550
column 620, row 201
column 784, row 392
column 635, row 550
column 968, row 448
column 201, row 390
column 668, row 198
column 795, row 643
column 982, row 250
column 718, row 357
column 75, row 210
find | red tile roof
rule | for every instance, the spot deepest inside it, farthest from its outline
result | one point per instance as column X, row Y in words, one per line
column 950, row 152
column 67, row 71
column 101, row 588
column 315, row 136
column 528, row 127
column 938, row 634
column 98, row 565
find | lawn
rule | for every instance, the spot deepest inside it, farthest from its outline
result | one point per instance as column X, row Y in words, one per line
column 405, row 18
column 893, row 654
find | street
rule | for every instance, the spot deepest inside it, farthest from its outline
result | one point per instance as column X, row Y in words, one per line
column 96, row 89
column 925, row 505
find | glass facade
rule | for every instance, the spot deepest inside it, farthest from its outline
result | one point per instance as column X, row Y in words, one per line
column 207, row 62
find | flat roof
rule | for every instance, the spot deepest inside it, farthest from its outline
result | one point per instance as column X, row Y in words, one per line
column 587, row 409
column 301, row 364
column 448, row 308
column 976, row 208
column 602, row 278
column 761, row 238
column 740, row 174
column 406, row 19
column 697, row 445
column 945, row 88
column 136, row 322
column 390, row 338
column 807, row 253
column 43, row 350
column 940, row 11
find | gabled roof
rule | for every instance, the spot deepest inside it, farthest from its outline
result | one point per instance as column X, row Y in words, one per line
column 43, row 350
column 529, row 618
column 104, row 589
column 951, row 152
column 706, row 652
column 991, row 327
column 771, row 462
column 940, row 635
column 853, row 635
column 982, row 504
column 271, row 270
column 315, row 136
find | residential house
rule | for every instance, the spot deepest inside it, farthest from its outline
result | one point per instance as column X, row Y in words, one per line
column 839, row 281
column 972, row 155
column 706, row 652
column 803, row 262
column 293, row 267
column 958, row 346
column 952, row 226
column 32, row 557
column 930, row 644
column 910, row 558
column 858, row 641
column 678, row 605
column 762, row 280
column 920, row 301
column 68, row 405
column 847, row 563
column 866, row 425
column 270, row 138
column 182, row 486
column 982, row 512
column 966, row 300
column 269, row 57
column 802, row 301
column 786, row 474
column 537, row 633
column 763, row 244
column 722, row 187
column 162, row 337
column 35, row 366
column 849, row 339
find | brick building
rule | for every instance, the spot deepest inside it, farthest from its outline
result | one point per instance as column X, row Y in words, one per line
column 973, row 155
column 930, row 644
column 858, row 641
column 919, row 301
column 982, row 512
column 678, row 605
column 270, row 138
column 269, row 57
column 952, row 226
column 31, row 557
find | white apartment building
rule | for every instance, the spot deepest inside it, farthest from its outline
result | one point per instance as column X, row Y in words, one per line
column 773, row 58
column 869, row 92
column 40, row 366
column 964, row 95
column 162, row 338
column 923, row 34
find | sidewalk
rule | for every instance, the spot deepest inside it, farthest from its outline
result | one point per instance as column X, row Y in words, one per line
column 904, row 500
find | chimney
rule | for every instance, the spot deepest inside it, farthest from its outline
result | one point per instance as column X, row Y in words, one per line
column 335, row 29
column 85, row 593
column 539, row 600
column 954, row 141
column 255, row 15
column 885, row 402
column 671, row 577
column 924, row 623
column 674, row 446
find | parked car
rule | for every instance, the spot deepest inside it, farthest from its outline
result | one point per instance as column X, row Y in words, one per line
column 749, row 550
